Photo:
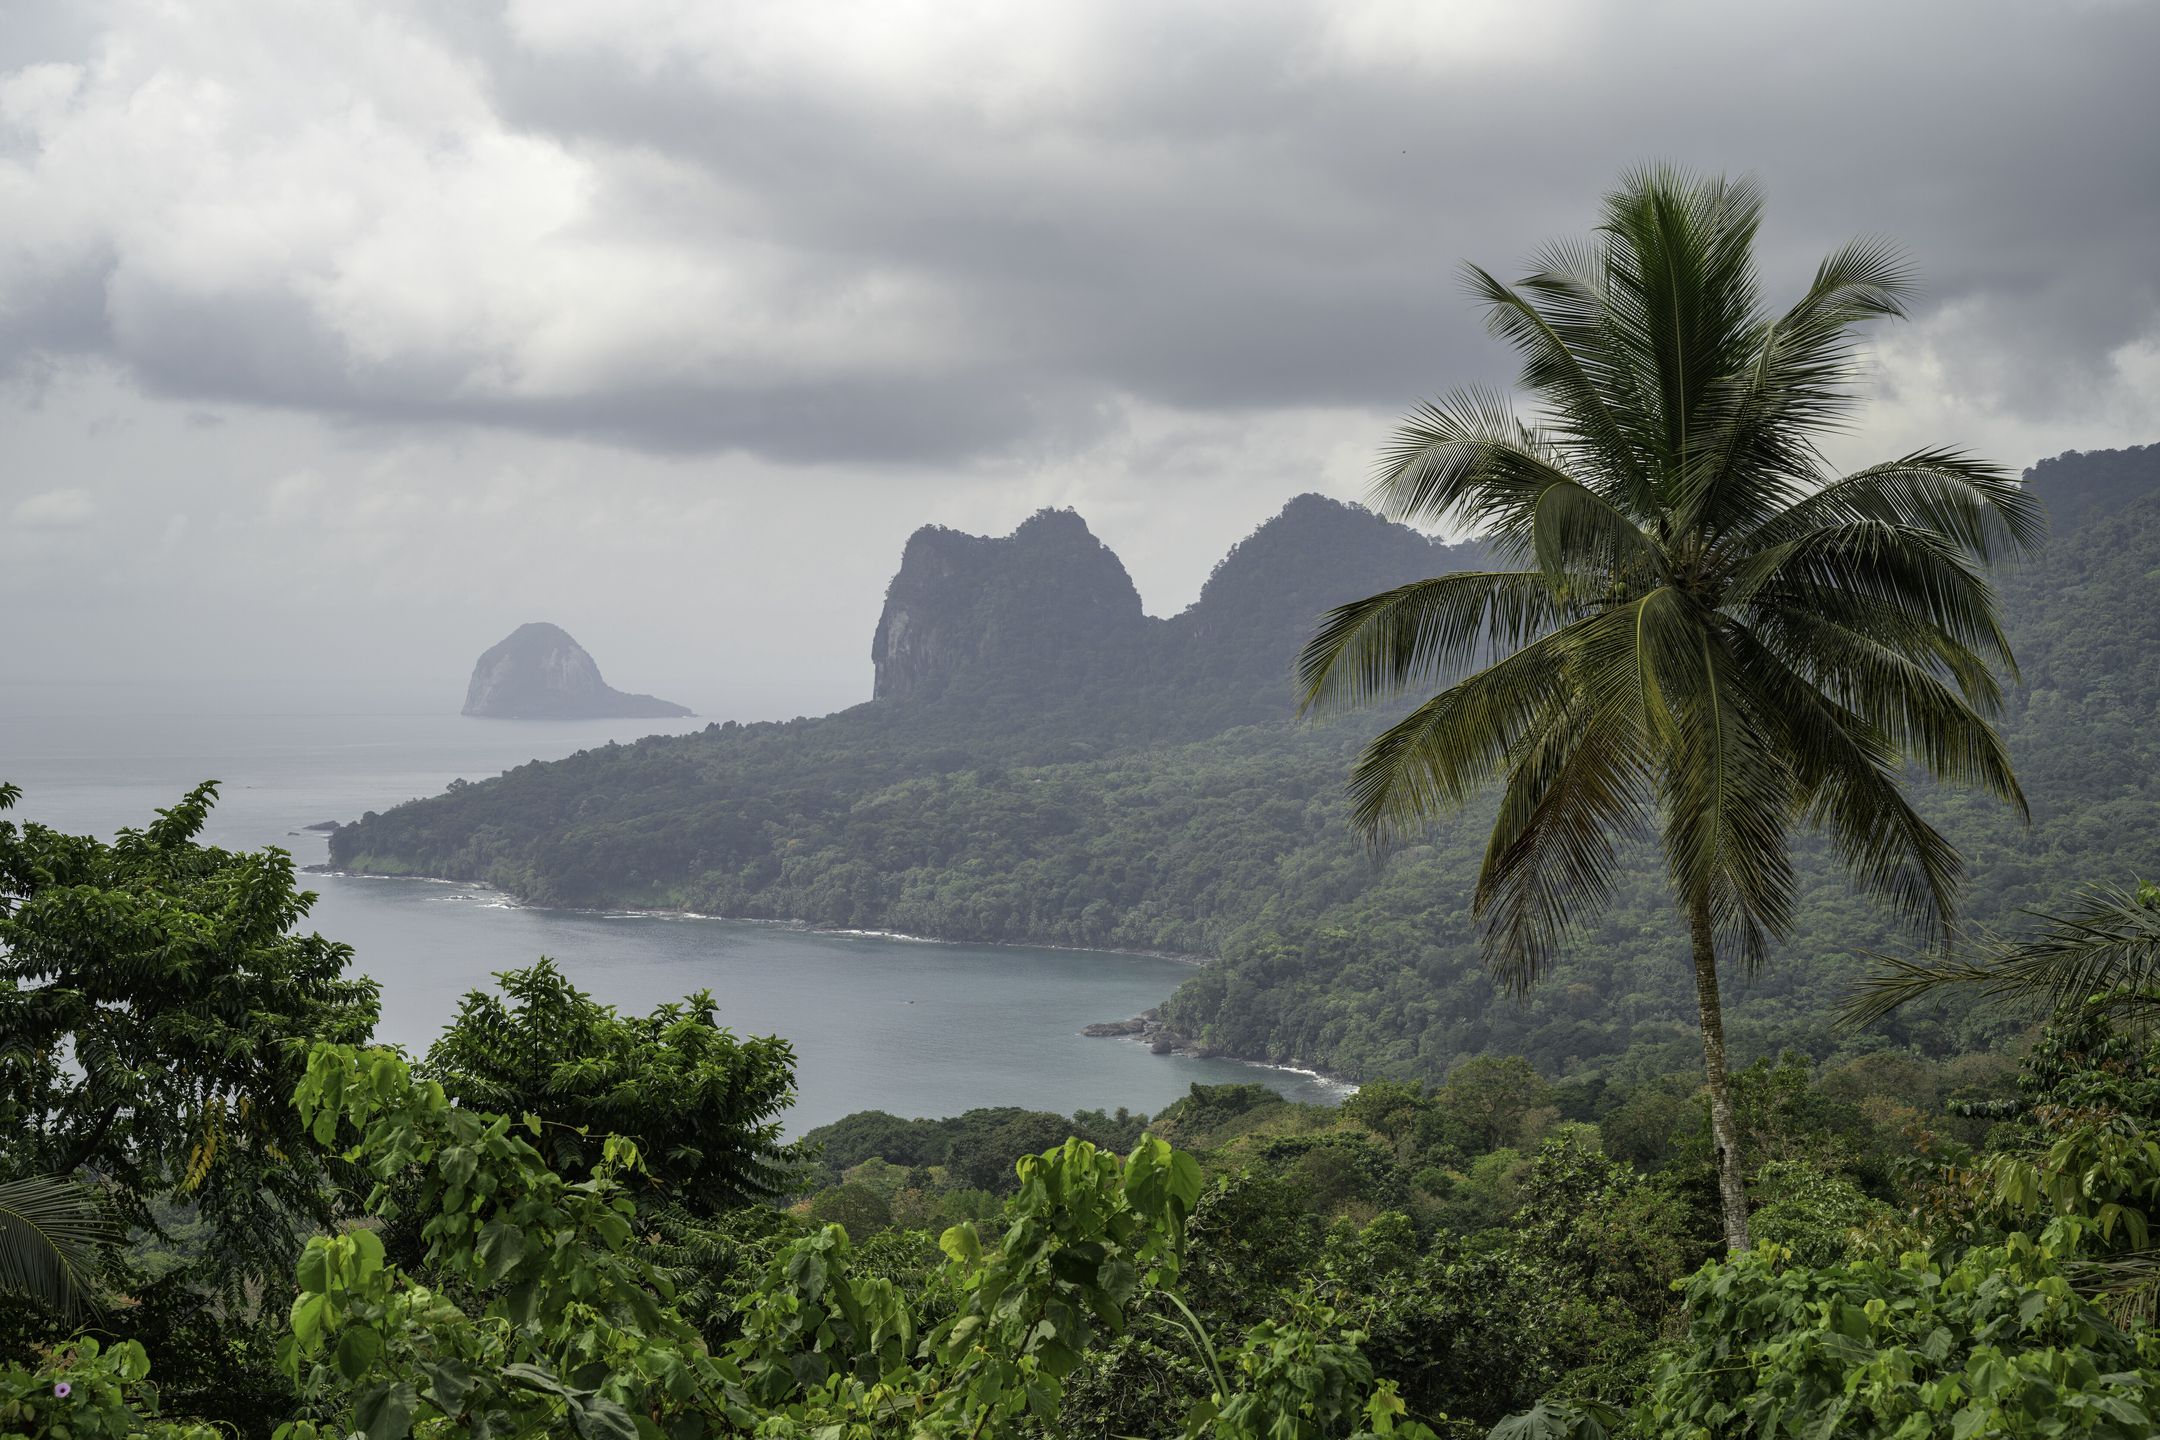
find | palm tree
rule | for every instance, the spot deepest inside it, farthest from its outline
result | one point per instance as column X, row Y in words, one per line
column 1705, row 632
column 51, row 1234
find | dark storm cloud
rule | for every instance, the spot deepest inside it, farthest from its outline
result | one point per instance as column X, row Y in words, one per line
column 1213, row 210
column 1234, row 223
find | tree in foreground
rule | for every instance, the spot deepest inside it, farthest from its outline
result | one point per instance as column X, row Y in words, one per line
column 156, row 1000
column 1706, row 634
column 703, row 1106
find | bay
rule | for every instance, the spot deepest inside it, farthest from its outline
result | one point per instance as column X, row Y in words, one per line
column 878, row 1022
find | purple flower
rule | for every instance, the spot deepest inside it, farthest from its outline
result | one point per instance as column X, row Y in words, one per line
column 62, row 1390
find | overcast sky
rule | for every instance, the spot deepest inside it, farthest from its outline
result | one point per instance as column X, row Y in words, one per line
column 336, row 339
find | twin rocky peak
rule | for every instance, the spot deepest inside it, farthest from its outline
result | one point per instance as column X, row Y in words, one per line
column 1046, row 620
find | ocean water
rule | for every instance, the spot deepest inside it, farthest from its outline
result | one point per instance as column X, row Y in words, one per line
column 878, row 1022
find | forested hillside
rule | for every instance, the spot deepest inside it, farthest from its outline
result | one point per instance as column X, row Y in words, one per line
column 1131, row 782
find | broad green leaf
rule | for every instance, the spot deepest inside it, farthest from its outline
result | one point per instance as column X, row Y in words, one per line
column 358, row 1348
column 501, row 1247
column 385, row 1411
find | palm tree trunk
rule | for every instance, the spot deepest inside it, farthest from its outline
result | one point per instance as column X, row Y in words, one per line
column 1724, row 1129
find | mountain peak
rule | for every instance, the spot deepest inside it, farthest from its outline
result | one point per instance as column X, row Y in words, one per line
column 1046, row 620
column 1048, row 523
column 1024, row 612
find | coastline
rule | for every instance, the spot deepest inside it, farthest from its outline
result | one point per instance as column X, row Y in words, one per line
column 1107, row 1030
column 1344, row 1086
column 675, row 912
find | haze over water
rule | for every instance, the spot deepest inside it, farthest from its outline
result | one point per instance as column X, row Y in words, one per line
column 913, row 1027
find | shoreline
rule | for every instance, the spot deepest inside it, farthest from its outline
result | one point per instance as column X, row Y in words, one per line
column 1342, row 1087
column 636, row 912
column 672, row 912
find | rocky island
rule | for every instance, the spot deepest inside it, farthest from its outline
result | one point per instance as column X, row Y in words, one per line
column 538, row 672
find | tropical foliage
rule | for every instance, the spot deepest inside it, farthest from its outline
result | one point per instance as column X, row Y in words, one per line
column 1503, row 1251
column 2107, row 944
column 52, row 1235
column 155, row 997
column 676, row 1083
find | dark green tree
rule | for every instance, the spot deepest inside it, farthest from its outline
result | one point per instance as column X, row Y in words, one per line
column 1489, row 1096
column 702, row 1105
column 156, row 1002
column 1707, row 634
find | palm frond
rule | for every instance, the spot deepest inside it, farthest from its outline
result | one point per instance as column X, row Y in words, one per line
column 1900, row 698
column 2109, row 945
column 1834, row 643
column 1744, row 459
column 1462, row 459
column 1549, row 859
column 1973, row 504
column 1816, row 368
column 1907, row 569
column 1427, row 632
column 1755, row 447
column 1581, row 539
column 1728, row 792
column 1566, row 363
column 1682, row 295
column 1845, row 771
column 52, row 1232
column 1441, row 753
column 1868, row 278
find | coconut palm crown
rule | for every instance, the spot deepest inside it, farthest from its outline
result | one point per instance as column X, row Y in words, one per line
column 1704, row 632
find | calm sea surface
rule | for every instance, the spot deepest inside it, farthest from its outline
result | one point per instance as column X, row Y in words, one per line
column 913, row 1027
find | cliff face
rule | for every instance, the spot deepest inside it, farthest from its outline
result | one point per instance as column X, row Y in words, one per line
column 538, row 672
column 1045, row 608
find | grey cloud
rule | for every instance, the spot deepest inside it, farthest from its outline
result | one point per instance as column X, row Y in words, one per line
column 1225, row 219
column 55, row 510
column 1230, row 228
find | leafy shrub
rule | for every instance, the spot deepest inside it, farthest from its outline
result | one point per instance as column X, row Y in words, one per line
column 854, row 1207
column 1811, row 1216
column 1997, row 1344
column 83, row 1391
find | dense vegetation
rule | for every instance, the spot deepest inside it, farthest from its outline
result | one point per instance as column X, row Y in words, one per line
column 1238, row 846
column 1947, row 1248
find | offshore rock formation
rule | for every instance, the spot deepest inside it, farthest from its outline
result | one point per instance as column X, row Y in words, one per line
column 539, row 673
